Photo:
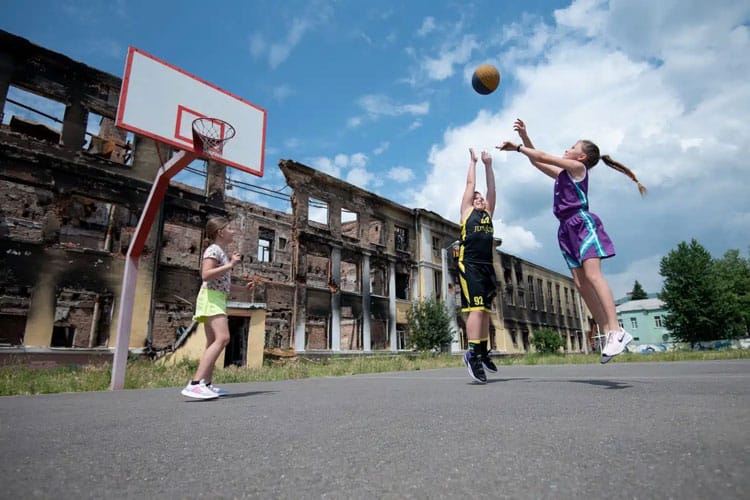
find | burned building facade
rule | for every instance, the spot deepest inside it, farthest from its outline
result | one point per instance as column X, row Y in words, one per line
column 337, row 272
column 71, row 200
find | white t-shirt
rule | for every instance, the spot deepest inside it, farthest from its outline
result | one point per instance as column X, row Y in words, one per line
column 224, row 281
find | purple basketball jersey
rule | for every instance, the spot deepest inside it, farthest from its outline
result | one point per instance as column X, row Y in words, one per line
column 581, row 234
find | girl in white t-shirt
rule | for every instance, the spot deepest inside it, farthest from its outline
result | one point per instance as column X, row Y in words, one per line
column 211, row 305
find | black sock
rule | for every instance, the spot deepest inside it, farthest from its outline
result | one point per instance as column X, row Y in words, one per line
column 483, row 347
column 195, row 382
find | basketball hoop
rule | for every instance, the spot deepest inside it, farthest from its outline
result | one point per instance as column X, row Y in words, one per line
column 209, row 136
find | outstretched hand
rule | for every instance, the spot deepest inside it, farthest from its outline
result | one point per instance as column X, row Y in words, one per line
column 473, row 155
column 486, row 159
column 520, row 127
column 507, row 146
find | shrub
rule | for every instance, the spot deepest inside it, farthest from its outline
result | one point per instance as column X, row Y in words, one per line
column 429, row 325
column 547, row 341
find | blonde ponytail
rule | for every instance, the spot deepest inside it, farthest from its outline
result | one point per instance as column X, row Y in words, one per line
column 625, row 170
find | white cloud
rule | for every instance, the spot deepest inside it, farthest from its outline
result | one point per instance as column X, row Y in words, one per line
column 400, row 174
column 382, row 148
column 381, row 105
column 359, row 177
column 667, row 97
column 281, row 92
column 351, row 168
column 428, row 25
column 441, row 67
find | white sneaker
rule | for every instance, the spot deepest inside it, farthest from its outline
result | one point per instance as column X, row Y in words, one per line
column 616, row 342
column 199, row 391
column 217, row 390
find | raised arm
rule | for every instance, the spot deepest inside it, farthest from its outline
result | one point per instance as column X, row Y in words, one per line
column 467, row 202
column 489, row 199
column 547, row 162
column 550, row 170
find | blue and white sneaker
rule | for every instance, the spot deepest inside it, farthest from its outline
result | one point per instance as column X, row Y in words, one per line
column 488, row 364
column 217, row 390
column 474, row 365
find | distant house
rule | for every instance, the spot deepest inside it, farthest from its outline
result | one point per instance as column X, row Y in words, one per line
column 644, row 320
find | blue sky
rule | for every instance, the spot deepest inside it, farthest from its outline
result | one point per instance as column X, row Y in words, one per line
column 379, row 94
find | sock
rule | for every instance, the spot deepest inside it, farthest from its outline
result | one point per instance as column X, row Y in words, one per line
column 208, row 383
column 475, row 348
column 195, row 382
column 483, row 346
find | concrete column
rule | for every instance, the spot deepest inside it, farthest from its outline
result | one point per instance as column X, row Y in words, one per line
column 336, row 300
column 301, row 318
column 392, row 305
column 74, row 125
column 41, row 316
column 366, row 338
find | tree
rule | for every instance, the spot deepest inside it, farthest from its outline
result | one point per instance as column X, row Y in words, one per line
column 547, row 341
column 638, row 292
column 690, row 294
column 429, row 325
column 733, row 283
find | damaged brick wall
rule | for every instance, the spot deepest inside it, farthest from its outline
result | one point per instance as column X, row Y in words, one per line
column 69, row 211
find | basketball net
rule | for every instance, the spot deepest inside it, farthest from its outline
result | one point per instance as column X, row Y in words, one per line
column 210, row 135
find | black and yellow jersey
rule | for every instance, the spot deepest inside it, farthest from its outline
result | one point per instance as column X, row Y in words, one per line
column 477, row 242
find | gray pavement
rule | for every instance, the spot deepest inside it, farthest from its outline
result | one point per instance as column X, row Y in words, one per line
column 622, row 430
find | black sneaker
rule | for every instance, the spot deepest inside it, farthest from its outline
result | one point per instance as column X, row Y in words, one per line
column 488, row 364
column 474, row 365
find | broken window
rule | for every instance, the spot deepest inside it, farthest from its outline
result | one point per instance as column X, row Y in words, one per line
column 349, row 223
column 402, row 239
column 265, row 245
column 350, row 326
column 317, row 213
column 435, row 246
column 379, row 330
column 540, row 293
column 282, row 243
column 402, row 286
column 317, row 271
column 350, row 277
column 532, row 297
column 84, row 222
column 377, row 281
column 375, row 232
column 550, row 303
column 80, row 315
column 402, row 336
column 33, row 115
column 107, row 141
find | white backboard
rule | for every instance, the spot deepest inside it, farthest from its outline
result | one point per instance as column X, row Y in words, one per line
column 160, row 101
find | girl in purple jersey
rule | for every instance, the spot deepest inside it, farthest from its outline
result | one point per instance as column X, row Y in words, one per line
column 581, row 235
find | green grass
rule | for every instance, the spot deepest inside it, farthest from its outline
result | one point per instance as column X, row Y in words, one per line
column 21, row 380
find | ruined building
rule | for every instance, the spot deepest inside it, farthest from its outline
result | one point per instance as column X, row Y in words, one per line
column 337, row 274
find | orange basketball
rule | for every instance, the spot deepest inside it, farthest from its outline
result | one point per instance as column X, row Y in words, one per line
column 485, row 79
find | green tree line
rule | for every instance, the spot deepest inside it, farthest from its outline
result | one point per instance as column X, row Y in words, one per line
column 705, row 298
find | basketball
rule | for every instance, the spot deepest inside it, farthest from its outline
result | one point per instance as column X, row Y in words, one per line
column 485, row 79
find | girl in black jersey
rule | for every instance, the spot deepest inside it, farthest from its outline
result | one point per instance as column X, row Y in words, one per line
column 475, row 269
